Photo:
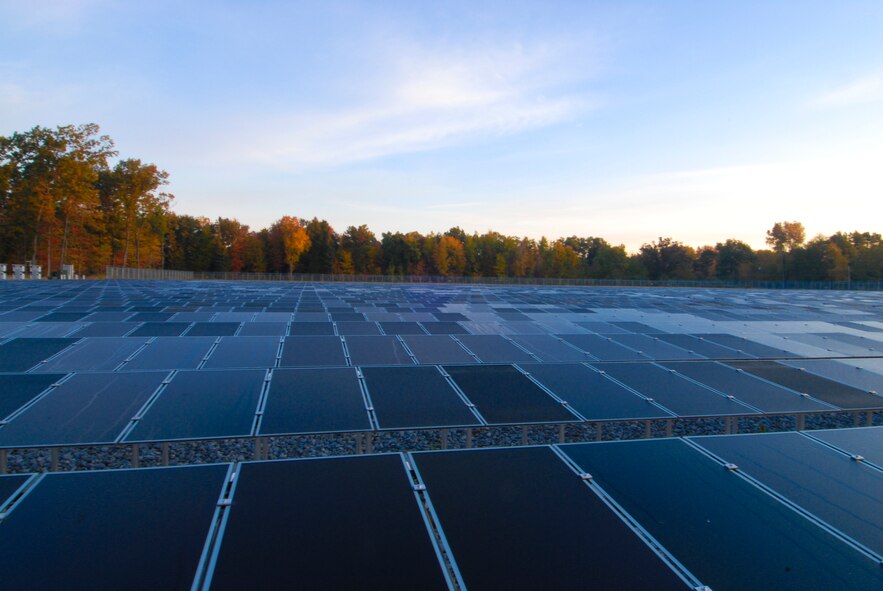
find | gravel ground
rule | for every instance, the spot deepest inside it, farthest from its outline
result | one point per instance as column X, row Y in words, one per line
column 237, row 450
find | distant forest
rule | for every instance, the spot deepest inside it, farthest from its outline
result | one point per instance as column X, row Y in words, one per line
column 62, row 202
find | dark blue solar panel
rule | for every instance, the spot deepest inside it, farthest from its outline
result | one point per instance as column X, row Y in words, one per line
column 312, row 352
column 343, row 523
column 314, row 401
column 202, row 405
column 843, row 493
column 521, row 519
column 727, row 532
column 114, row 529
column 412, row 397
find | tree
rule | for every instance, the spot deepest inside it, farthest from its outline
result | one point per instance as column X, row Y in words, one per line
column 734, row 259
column 49, row 187
column 363, row 249
column 785, row 236
column 447, row 257
column 322, row 249
column 130, row 203
column 667, row 259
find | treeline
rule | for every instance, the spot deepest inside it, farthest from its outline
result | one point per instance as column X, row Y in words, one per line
column 62, row 202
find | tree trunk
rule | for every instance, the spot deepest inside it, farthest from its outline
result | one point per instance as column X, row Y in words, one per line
column 126, row 248
column 64, row 240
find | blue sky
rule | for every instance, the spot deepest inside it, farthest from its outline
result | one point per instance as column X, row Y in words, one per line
column 628, row 120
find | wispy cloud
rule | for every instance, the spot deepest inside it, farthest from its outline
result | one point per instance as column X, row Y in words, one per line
column 427, row 100
column 868, row 89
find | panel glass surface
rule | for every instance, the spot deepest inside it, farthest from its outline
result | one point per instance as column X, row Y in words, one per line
column 23, row 354
column 747, row 388
column 444, row 328
column 244, row 352
column 357, row 328
column 9, row 484
column 113, row 529
column 742, row 344
column 805, row 382
column 866, row 442
column 602, row 348
column 213, row 329
column 342, row 523
column 529, row 522
column 171, row 353
column 550, row 348
column 494, row 349
column 653, row 347
column 504, row 395
column 94, row 353
column 730, row 534
column 263, row 329
column 16, row 390
column 202, row 405
column 379, row 350
column 312, row 352
column 106, row 329
column 591, row 394
column 311, row 329
column 703, row 347
column 841, row 492
column 396, row 328
column 409, row 397
column 435, row 349
column 160, row 329
column 314, row 401
column 87, row 408
column 674, row 392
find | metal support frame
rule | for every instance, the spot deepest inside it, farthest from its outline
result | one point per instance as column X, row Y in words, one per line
column 444, row 438
column 136, row 456
column 561, row 433
column 164, row 453
column 599, row 431
column 801, row 422
column 523, row 434
column 669, row 427
column 53, row 462
column 468, row 437
column 4, row 455
column 648, row 429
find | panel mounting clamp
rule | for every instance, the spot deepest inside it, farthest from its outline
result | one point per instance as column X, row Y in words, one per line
column 731, row 467
column 585, row 476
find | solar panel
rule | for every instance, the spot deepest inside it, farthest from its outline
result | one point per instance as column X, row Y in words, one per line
column 746, row 388
column 703, row 347
column 171, row 353
column 414, row 397
column 602, row 348
column 727, row 532
column 674, row 392
column 234, row 352
column 9, row 485
column 826, row 390
column 866, row 442
column 311, row 328
column 503, row 395
column 23, row 354
column 843, row 493
column 160, row 329
column 435, row 349
column 529, row 522
column 343, row 523
column 550, row 348
column 396, row 328
column 202, row 405
column 16, row 390
column 94, row 354
column 312, row 351
column 87, row 408
column 494, row 349
column 592, row 394
column 212, row 329
column 377, row 350
column 314, row 401
column 116, row 529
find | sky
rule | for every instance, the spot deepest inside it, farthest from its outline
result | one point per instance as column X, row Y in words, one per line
column 628, row 120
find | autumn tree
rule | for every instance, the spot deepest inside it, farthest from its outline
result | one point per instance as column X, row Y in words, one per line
column 289, row 239
column 785, row 236
column 448, row 257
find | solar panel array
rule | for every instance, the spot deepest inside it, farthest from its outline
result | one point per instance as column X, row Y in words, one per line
column 129, row 362
column 783, row 511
